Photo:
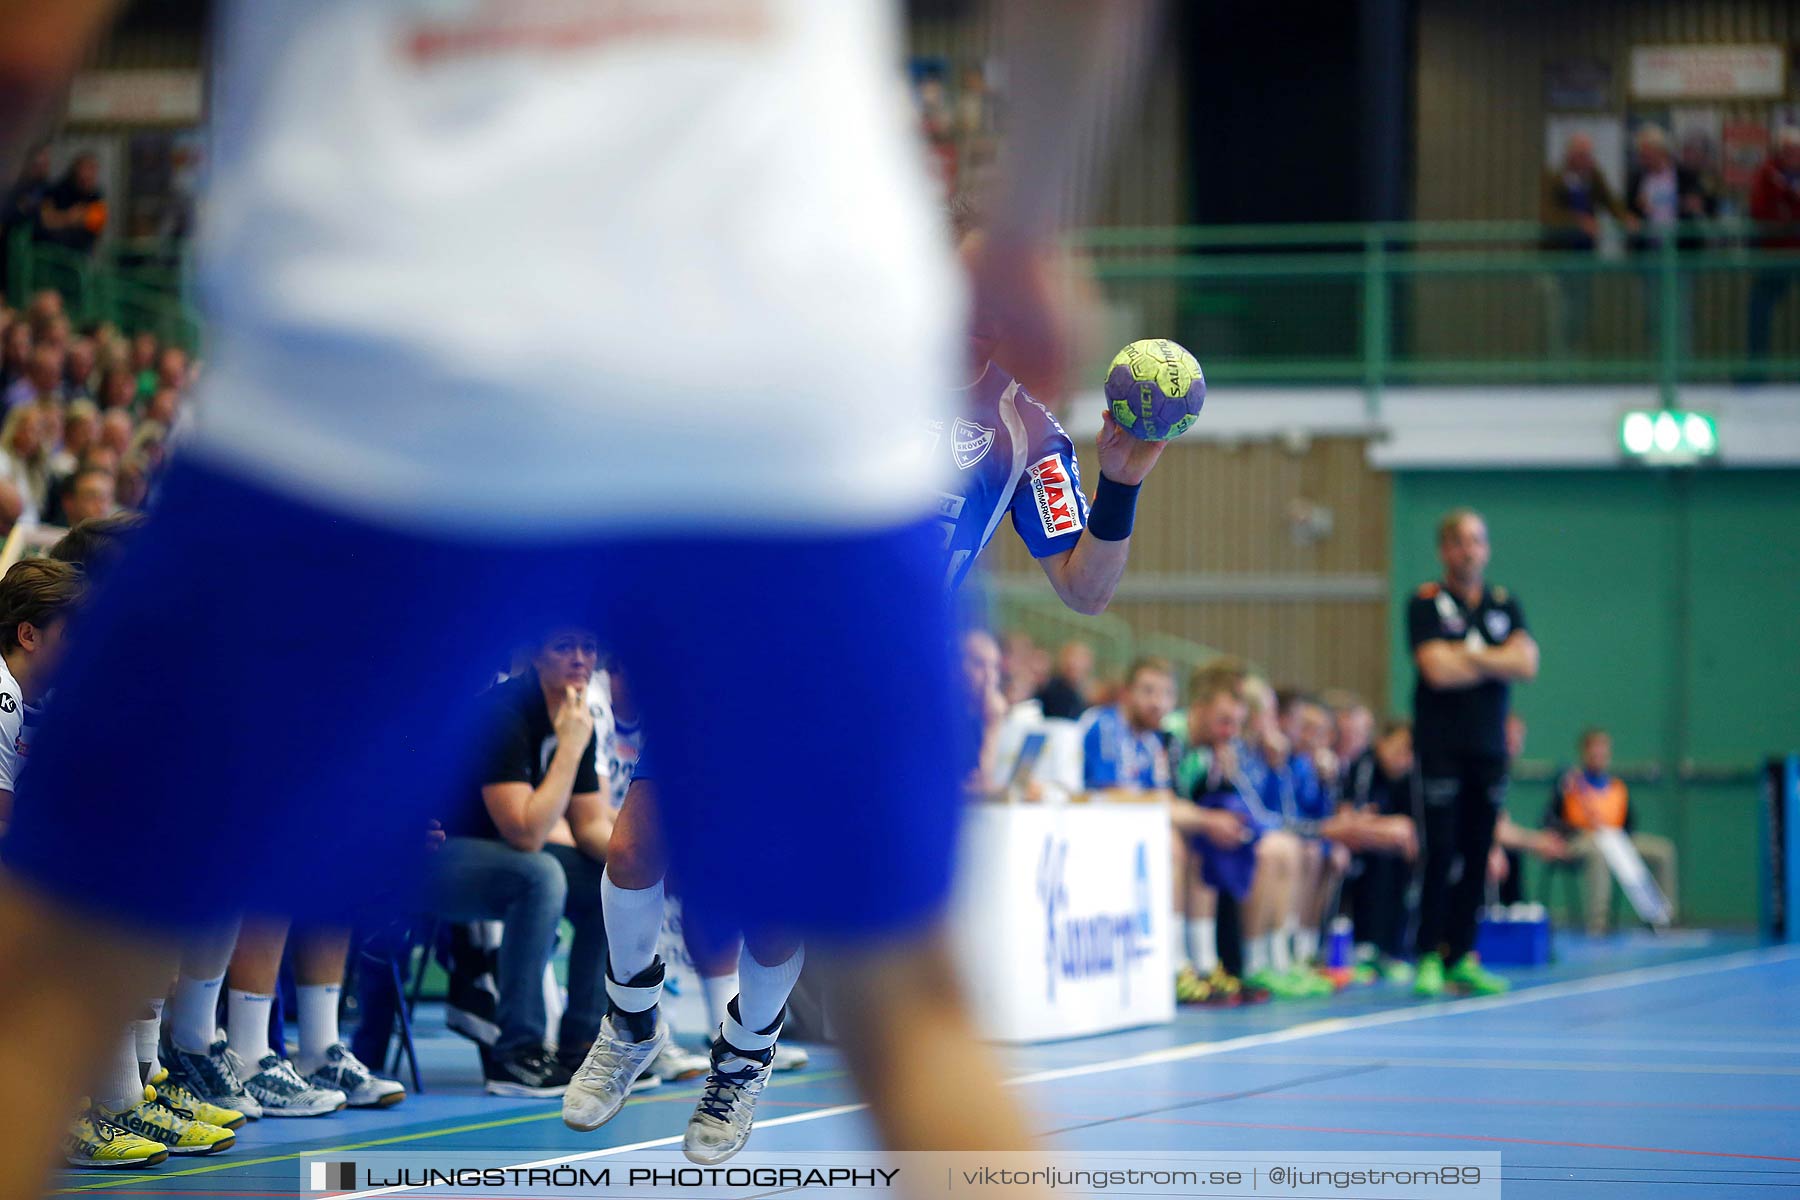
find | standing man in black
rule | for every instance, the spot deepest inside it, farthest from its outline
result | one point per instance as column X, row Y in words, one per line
column 1469, row 643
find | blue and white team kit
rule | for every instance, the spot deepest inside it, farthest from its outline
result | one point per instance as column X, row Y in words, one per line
column 482, row 360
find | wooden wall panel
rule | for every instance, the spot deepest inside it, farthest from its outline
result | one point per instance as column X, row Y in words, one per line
column 1215, row 560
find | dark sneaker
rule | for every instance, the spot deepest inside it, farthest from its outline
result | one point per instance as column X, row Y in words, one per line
column 530, row 1072
column 211, row 1075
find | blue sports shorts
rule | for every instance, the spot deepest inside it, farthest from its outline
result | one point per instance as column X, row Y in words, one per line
column 272, row 700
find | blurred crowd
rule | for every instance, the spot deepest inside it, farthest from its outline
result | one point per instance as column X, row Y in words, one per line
column 87, row 413
column 1670, row 192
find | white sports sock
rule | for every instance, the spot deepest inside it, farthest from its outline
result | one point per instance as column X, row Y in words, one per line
column 1203, row 936
column 121, row 1088
column 719, row 990
column 148, row 1031
column 763, row 990
column 318, row 1023
column 194, row 1015
column 1281, row 957
column 1306, row 943
column 247, row 1025
column 1178, row 942
column 633, row 924
column 1256, row 953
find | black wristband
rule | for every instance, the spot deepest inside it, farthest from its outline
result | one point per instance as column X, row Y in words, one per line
column 1114, row 510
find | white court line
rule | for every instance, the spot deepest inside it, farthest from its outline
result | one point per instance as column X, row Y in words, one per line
column 1312, row 1029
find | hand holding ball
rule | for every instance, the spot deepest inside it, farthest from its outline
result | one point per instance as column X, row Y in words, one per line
column 1154, row 389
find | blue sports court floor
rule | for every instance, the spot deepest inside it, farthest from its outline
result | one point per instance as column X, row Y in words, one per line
column 1631, row 1068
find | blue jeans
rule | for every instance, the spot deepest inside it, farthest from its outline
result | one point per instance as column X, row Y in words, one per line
column 480, row 879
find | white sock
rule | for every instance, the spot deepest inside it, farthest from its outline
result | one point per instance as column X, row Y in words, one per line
column 247, row 1025
column 1281, row 958
column 1256, row 953
column 194, row 1014
column 1178, row 942
column 1203, row 936
column 763, row 990
column 719, row 990
column 148, row 1031
column 121, row 1088
column 1306, row 943
column 318, row 1023
column 633, row 925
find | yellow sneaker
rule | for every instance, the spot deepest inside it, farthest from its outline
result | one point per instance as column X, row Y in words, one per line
column 182, row 1135
column 93, row 1141
column 173, row 1095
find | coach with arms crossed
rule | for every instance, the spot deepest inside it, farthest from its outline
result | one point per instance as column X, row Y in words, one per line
column 1469, row 643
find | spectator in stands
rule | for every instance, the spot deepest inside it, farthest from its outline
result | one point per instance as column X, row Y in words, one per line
column 1066, row 693
column 1380, row 780
column 987, row 707
column 1122, row 745
column 1352, row 725
column 529, row 849
column 1590, row 798
column 144, row 347
column 42, row 381
column 15, row 356
column 23, row 200
column 81, row 429
column 1664, row 196
column 45, row 307
column 86, row 496
column 172, row 368
column 24, row 459
column 118, row 390
column 115, row 431
column 73, row 212
column 1023, row 667
column 78, row 370
column 1574, row 194
column 100, row 457
column 1775, row 200
column 164, row 406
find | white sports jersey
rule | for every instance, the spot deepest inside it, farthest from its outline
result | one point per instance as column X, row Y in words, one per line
column 585, row 262
column 12, row 727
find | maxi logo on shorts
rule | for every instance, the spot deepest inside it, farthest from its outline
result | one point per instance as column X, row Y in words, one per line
column 1055, row 496
column 1080, row 947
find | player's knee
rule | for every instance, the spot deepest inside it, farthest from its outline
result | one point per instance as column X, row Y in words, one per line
column 631, row 860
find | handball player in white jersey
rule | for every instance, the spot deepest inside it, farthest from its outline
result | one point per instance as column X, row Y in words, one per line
column 624, row 310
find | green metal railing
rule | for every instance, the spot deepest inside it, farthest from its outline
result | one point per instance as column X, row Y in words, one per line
column 136, row 286
column 1370, row 306
column 1465, row 302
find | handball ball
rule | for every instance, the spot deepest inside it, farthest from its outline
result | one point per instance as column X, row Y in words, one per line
column 1154, row 389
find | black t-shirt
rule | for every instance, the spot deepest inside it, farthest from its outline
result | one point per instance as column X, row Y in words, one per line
column 522, row 740
column 1060, row 698
column 1366, row 787
column 1461, row 720
column 62, row 197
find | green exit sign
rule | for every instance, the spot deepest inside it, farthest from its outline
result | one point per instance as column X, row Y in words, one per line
column 1669, row 436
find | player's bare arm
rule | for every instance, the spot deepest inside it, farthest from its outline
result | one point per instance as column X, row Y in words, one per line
column 1086, row 575
column 526, row 815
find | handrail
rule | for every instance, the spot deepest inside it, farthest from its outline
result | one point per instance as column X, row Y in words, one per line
column 1359, row 234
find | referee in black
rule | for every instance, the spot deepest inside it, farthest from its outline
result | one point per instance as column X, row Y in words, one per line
column 1469, row 643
